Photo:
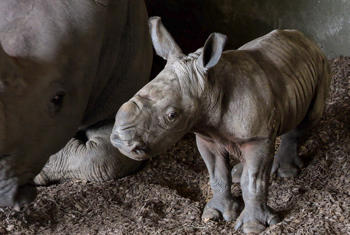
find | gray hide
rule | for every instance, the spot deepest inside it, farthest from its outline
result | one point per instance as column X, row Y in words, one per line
column 66, row 67
column 233, row 100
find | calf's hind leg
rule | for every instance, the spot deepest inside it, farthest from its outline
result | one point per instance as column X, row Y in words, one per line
column 287, row 162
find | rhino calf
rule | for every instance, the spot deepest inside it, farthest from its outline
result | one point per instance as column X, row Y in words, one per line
column 274, row 85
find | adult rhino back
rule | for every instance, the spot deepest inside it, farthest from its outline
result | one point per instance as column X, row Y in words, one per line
column 72, row 63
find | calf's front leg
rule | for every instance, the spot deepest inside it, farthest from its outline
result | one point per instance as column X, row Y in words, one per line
column 257, row 163
column 222, row 203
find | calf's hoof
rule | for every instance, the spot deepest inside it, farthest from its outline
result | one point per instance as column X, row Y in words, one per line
column 221, row 207
column 286, row 168
column 255, row 220
column 210, row 214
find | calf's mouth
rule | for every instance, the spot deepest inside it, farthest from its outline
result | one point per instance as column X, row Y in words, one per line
column 136, row 150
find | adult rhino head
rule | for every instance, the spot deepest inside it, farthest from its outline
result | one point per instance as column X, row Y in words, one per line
column 34, row 108
column 64, row 66
column 170, row 105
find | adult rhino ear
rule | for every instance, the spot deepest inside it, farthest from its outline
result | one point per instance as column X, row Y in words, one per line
column 163, row 43
column 212, row 50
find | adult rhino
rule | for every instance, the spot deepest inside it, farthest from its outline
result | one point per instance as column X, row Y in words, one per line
column 65, row 68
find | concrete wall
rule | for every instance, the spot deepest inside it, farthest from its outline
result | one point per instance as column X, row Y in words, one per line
column 191, row 21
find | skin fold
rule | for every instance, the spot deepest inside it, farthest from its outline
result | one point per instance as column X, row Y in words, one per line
column 239, row 99
column 65, row 68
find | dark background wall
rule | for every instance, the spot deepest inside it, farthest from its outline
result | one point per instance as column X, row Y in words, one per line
column 191, row 21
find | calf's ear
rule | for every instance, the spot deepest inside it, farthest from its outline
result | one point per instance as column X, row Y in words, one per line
column 212, row 50
column 163, row 43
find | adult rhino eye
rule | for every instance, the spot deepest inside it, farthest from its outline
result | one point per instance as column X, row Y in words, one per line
column 57, row 102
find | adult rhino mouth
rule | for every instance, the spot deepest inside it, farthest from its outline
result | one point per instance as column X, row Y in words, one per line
column 138, row 153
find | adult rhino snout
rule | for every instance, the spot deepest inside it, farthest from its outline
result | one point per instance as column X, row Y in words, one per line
column 124, row 134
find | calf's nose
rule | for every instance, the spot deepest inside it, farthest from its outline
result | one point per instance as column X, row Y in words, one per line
column 124, row 131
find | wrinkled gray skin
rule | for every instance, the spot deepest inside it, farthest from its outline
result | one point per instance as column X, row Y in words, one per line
column 66, row 66
column 274, row 85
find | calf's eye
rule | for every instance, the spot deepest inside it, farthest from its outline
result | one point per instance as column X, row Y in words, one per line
column 172, row 116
